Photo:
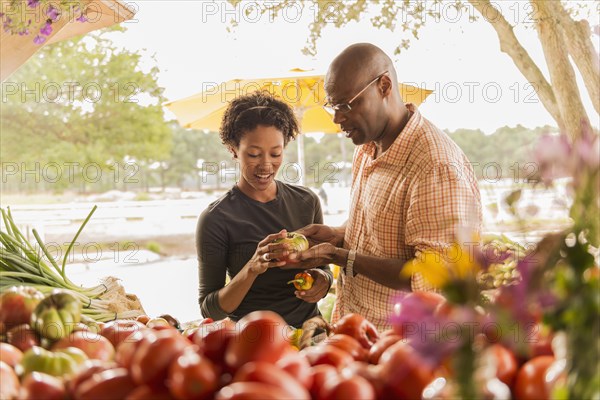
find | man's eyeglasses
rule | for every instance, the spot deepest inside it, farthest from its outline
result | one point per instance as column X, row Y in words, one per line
column 346, row 107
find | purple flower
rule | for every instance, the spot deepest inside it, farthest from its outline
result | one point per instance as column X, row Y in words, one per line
column 547, row 300
column 39, row 39
column 33, row 3
column 46, row 30
column 53, row 13
column 82, row 18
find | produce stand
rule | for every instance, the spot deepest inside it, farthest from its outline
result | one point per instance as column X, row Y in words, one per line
column 503, row 321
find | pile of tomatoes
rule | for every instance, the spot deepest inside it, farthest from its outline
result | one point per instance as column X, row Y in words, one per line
column 251, row 359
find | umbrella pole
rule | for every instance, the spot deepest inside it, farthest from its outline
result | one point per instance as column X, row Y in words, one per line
column 302, row 180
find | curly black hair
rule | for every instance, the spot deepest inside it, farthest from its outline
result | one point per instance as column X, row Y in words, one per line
column 246, row 112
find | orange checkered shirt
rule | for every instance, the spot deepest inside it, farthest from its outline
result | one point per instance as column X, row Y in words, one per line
column 410, row 198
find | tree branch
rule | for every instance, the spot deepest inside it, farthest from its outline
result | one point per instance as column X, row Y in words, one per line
column 510, row 45
column 576, row 34
column 562, row 74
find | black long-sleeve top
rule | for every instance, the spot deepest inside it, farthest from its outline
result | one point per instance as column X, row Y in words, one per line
column 227, row 235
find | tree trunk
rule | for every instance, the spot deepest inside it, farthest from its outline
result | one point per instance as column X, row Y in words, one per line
column 577, row 36
column 510, row 45
column 562, row 74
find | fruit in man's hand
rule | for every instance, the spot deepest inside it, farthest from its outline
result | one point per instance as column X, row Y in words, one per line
column 296, row 243
column 302, row 280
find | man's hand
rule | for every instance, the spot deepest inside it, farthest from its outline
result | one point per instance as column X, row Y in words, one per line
column 321, row 254
column 318, row 233
column 318, row 290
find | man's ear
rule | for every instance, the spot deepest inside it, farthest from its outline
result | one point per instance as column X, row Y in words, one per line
column 385, row 85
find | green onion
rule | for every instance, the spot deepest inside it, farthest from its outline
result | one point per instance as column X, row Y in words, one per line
column 21, row 264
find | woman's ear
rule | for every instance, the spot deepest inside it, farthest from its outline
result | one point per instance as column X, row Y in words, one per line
column 232, row 151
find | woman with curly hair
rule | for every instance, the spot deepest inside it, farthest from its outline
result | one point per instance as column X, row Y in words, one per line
column 235, row 233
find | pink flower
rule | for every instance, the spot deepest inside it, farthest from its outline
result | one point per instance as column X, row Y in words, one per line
column 39, row 39
column 553, row 156
column 53, row 13
column 46, row 30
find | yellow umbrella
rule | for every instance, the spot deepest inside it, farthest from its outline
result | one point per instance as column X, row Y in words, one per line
column 15, row 49
column 303, row 91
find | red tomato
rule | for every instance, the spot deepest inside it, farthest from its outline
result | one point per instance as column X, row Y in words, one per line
column 17, row 304
column 262, row 337
column 297, row 365
column 146, row 392
column 118, row 330
column 359, row 328
column 355, row 387
column 213, row 339
column 10, row 354
column 88, row 369
column 530, row 380
column 330, row 355
column 272, row 375
column 253, row 391
column 404, row 372
column 190, row 329
column 9, row 383
column 192, row 376
column 387, row 332
column 506, row 364
column 372, row 373
column 381, row 345
column 95, row 346
column 110, row 384
column 128, row 347
column 540, row 341
column 321, row 374
column 23, row 337
column 151, row 361
column 39, row 386
column 348, row 344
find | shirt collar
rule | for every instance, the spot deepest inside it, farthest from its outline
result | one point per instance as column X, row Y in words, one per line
column 402, row 140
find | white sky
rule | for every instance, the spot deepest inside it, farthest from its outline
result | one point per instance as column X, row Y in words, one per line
column 476, row 86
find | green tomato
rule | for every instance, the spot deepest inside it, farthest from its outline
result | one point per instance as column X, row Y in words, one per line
column 58, row 363
column 57, row 315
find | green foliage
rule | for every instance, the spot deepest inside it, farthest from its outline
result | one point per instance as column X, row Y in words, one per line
column 82, row 101
column 153, row 247
column 507, row 153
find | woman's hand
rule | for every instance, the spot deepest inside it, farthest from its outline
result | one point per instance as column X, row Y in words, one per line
column 267, row 253
column 318, row 290
column 319, row 233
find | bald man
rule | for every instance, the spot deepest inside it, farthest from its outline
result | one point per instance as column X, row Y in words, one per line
column 412, row 188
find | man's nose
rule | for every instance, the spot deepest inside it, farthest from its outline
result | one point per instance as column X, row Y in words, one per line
column 338, row 117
